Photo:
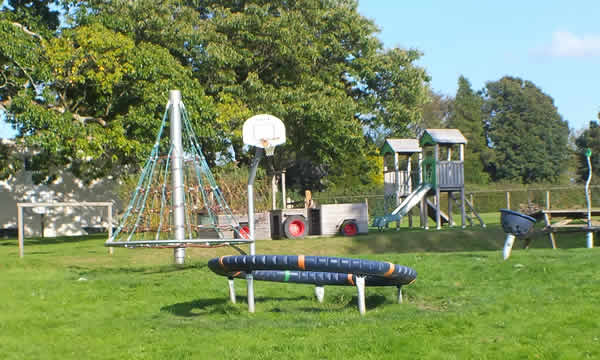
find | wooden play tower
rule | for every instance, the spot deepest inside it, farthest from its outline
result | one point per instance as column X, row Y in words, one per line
column 400, row 175
column 440, row 155
column 444, row 169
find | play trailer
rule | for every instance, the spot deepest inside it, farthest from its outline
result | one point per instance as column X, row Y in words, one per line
column 329, row 219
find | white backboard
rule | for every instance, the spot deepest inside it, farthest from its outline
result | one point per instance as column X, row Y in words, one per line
column 263, row 131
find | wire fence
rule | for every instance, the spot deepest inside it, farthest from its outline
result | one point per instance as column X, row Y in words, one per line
column 485, row 201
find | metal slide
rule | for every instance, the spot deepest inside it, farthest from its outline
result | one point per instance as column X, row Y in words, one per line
column 411, row 200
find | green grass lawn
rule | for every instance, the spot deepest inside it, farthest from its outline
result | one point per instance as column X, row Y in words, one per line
column 68, row 299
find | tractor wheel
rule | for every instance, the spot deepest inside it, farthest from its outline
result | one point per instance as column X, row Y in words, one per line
column 349, row 228
column 294, row 227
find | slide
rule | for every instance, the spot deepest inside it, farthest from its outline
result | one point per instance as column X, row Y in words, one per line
column 411, row 200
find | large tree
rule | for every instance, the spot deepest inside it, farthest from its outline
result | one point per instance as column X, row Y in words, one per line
column 467, row 116
column 527, row 134
column 88, row 99
column 316, row 64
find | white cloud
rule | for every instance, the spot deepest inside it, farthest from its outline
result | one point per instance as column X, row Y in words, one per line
column 567, row 44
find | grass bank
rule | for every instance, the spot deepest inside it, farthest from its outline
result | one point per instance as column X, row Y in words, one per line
column 69, row 299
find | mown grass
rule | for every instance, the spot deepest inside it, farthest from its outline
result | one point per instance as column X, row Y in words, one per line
column 68, row 299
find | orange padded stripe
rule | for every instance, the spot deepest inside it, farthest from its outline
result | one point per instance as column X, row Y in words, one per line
column 390, row 271
column 221, row 262
column 301, row 262
column 350, row 279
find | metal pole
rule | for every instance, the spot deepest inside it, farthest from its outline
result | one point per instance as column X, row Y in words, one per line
column 508, row 245
column 20, row 229
column 399, row 297
column 360, row 287
column 231, row 291
column 110, row 225
column 320, row 293
column 178, row 200
column 249, row 277
column 589, row 234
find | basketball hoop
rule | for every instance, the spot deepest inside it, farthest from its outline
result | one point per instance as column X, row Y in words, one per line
column 269, row 149
column 264, row 131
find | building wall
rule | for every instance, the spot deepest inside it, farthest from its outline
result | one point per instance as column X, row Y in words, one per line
column 56, row 221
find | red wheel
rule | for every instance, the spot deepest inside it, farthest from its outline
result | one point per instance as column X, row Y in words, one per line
column 245, row 232
column 349, row 228
column 295, row 227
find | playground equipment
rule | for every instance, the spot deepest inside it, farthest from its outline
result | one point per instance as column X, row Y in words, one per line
column 519, row 225
column 435, row 176
column 589, row 234
column 514, row 225
column 317, row 270
column 176, row 200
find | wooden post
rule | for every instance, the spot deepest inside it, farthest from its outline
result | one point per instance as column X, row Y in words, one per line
column 283, row 200
column 20, row 229
column 273, row 192
column 550, row 233
column 507, row 200
column 438, row 214
column 463, row 211
column 548, row 200
column 450, row 217
column 110, row 226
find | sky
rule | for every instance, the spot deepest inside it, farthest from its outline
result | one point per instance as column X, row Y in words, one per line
column 553, row 43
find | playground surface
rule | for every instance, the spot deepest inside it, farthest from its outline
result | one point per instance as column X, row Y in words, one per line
column 69, row 299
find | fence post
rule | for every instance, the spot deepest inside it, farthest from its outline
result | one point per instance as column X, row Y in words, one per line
column 508, row 200
column 547, row 199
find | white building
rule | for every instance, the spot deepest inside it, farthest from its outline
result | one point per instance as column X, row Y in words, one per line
column 53, row 221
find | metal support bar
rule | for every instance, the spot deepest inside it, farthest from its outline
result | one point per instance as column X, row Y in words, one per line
column 320, row 293
column 251, row 177
column 508, row 245
column 399, row 297
column 231, row 290
column 360, row 287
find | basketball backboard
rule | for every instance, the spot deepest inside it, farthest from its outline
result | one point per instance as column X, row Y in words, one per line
column 264, row 131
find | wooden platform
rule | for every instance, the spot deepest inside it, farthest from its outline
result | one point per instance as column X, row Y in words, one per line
column 558, row 220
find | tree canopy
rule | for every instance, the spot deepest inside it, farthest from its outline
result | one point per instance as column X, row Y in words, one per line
column 525, row 131
column 467, row 116
column 90, row 94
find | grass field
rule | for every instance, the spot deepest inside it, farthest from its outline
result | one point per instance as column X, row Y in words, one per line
column 68, row 299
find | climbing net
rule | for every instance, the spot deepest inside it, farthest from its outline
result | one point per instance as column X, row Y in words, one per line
column 148, row 220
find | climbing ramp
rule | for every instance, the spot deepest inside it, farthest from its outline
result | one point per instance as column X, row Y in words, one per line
column 177, row 202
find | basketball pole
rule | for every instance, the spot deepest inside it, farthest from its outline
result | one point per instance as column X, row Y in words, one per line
column 251, row 177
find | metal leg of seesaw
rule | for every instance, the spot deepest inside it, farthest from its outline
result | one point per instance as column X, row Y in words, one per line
column 360, row 287
column 508, row 244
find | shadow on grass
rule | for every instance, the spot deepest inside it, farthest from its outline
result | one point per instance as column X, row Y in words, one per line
column 143, row 270
column 217, row 306
column 53, row 240
column 371, row 302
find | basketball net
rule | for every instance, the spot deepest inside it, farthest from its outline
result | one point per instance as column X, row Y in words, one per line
column 269, row 149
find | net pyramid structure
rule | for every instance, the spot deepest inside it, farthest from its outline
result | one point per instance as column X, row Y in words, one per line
column 148, row 220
